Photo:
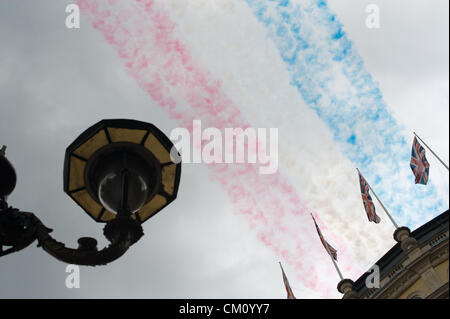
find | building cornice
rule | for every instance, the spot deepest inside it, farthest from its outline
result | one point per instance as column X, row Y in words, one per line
column 410, row 259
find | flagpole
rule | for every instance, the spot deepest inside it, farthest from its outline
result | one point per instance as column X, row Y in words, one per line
column 289, row 291
column 431, row 151
column 379, row 201
column 282, row 270
column 328, row 251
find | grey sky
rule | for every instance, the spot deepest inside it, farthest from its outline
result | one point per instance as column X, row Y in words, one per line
column 53, row 86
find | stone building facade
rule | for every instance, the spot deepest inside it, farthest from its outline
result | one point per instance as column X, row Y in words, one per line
column 417, row 267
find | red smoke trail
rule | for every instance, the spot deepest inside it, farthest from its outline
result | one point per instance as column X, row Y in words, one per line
column 144, row 37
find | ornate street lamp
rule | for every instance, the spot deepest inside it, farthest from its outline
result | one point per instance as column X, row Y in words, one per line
column 119, row 172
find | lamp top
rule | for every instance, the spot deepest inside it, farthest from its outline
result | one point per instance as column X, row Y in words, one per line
column 141, row 138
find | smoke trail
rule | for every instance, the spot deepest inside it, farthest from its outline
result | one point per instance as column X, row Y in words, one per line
column 331, row 77
column 255, row 76
column 144, row 38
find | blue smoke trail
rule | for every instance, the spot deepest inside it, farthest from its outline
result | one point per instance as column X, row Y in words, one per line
column 331, row 77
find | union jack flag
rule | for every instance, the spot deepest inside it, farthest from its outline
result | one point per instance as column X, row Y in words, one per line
column 419, row 163
column 332, row 251
column 290, row 294
column 367, row 201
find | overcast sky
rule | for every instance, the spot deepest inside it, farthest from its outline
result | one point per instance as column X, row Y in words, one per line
column 56, row 82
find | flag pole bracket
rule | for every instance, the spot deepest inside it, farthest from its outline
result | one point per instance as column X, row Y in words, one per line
column 403, row 236
column 346, row 287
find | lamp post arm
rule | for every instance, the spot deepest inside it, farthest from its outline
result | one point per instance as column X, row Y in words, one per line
column 22, row 233
column 121, row 232
column 80, row 256
column 19, row 229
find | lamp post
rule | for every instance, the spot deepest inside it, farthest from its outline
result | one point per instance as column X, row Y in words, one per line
column 119, row 172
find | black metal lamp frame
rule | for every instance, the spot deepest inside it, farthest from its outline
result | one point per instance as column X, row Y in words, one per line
column 19, row 229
